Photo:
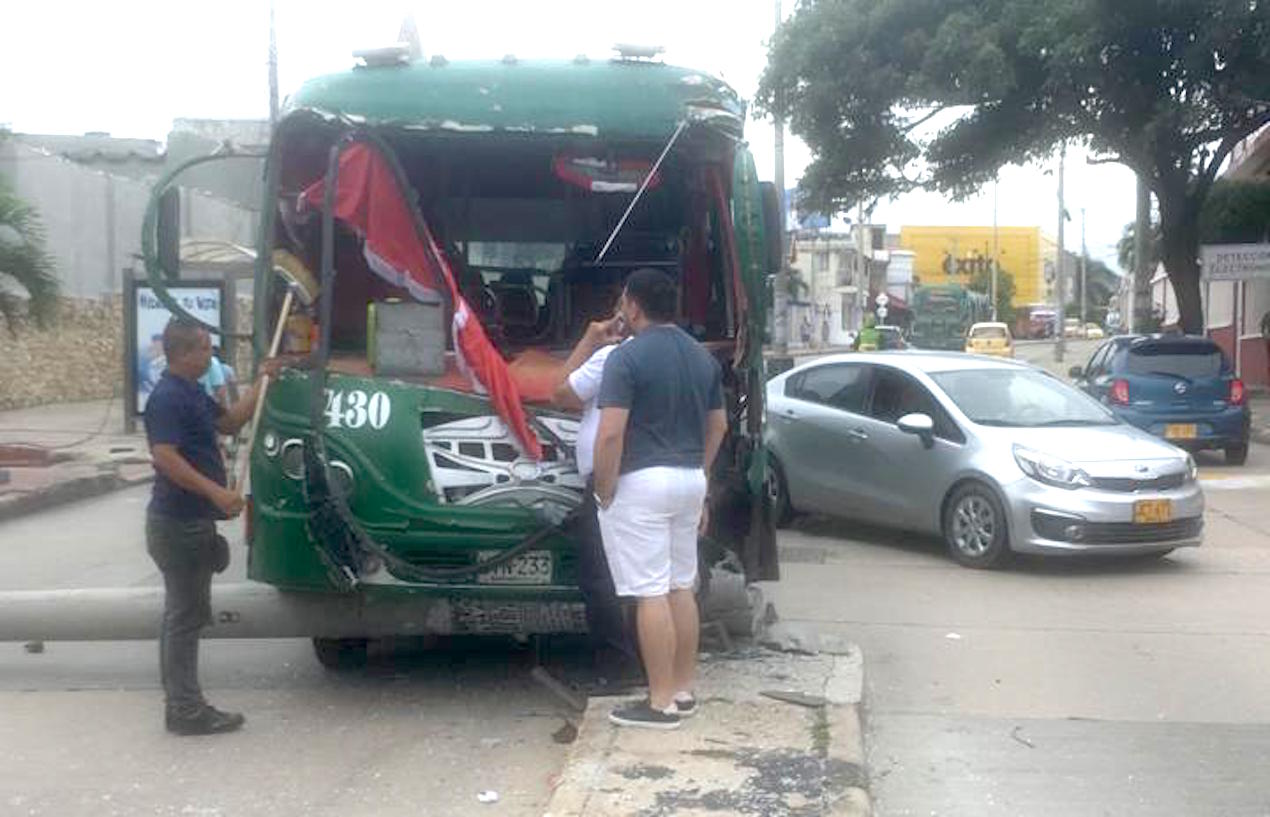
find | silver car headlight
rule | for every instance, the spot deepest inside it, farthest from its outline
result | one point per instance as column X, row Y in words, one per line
column 1192, row 469
column 1050, row 470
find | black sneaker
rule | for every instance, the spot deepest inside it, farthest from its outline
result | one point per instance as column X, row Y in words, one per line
column 207, row 721
column 643, row 715
column 686, row 709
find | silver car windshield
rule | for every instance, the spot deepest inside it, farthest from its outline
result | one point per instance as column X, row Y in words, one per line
column 1020, row 398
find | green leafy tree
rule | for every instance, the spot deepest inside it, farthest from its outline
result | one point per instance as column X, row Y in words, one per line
column 1236, row 212
column 981, row 282
column 1127, row 248
column 1103, row 285
column 24, row 261
column 1166, row 87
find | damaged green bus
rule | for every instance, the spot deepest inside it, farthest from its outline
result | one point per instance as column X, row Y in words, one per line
column 449, row 229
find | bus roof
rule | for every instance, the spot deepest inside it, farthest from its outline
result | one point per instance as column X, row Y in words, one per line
column 602, row 98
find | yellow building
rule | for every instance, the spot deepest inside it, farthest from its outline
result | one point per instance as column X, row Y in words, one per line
column 952, row 255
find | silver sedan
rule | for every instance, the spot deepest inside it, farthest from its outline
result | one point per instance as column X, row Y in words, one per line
column 995, row 456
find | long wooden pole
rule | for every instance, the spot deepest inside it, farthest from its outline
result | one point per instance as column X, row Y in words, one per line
column 284, row 313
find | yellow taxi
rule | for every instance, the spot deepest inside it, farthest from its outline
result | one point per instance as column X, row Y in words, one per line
column 990, row 339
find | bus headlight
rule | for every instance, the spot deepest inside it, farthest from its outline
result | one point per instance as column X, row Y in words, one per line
column 293, row 458
column 340, row 476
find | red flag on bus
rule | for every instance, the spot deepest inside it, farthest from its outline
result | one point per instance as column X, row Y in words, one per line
column 406, row 254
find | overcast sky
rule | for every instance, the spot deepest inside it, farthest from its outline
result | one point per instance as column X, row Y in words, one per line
column 129, row 67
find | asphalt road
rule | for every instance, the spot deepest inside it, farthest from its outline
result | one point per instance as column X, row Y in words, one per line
column 419, row 732
column 1128, row 687
column 1076, row 352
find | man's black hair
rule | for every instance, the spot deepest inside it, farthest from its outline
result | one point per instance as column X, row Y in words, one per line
column 655, row 292
column 180, row 336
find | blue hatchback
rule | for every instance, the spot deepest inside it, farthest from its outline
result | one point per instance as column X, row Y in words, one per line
column 1178, row 387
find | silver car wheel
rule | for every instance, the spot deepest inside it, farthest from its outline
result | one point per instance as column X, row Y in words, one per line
column 974, row 525
column 777, row 495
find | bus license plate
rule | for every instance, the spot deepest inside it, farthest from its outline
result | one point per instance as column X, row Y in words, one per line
column 533, row 567
column 1152, row 511
column 1180, row 431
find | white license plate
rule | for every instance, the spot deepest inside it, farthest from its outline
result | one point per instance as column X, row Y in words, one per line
column 533, row 567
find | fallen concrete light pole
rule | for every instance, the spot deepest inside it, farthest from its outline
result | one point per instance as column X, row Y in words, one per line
column 256, row 610
column 240, row 610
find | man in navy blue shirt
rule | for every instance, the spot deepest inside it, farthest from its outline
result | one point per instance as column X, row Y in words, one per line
column 190, row 493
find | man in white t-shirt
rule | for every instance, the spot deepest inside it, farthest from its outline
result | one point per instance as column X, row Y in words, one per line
column 611, row 637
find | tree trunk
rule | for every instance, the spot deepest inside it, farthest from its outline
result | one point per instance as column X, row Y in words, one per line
column 1179, row 226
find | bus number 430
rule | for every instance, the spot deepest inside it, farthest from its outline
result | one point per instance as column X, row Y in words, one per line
column 355, row 409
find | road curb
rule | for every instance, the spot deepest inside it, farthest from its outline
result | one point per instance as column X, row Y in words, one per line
column 844, row 689
column 17, row 505
column 743, row 752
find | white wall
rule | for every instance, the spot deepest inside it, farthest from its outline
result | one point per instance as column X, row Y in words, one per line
column 899, row 274
column 1257, row 294
column 1219, row 306
column 92, row 220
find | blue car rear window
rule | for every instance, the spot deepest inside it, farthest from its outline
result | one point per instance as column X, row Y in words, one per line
column 1190, row 360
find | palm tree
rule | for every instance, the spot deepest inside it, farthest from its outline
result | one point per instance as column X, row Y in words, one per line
column 1126, row 248
column 24, row 262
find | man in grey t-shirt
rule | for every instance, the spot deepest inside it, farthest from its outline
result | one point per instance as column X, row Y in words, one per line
column 661, row 424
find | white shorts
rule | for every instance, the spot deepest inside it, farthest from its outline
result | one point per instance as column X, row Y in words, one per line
column 650, row 530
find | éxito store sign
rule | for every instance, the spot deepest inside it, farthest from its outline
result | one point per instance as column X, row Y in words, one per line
column 966, row 266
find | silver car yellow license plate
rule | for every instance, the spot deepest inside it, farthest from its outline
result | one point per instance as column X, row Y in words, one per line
column 1152, row 512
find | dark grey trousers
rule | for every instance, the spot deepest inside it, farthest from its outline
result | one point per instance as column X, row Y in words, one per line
column 184, row 550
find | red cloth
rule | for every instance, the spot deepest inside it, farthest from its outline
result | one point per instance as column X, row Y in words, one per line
column 406, row 254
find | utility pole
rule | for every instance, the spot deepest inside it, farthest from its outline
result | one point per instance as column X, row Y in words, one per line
column 780, row 308
column 862, row 280
column 1059, row 340
column 273, row 69
column 996, row 250
column 1083, row 273
column 1141, row 273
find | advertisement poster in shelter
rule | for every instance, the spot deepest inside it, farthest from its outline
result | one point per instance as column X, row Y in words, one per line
column 204, row 300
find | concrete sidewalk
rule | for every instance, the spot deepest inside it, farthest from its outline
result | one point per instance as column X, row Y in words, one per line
column 51, row 455
column 1259, row 402
column 742, row 753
